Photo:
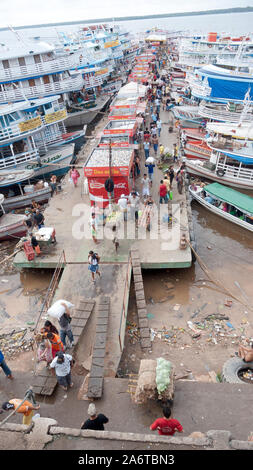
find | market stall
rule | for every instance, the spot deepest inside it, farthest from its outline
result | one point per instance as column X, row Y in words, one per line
column 97, row 170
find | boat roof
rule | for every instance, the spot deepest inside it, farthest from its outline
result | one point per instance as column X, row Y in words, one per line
column 220, row 72
column 26, row 105
column 23, row 50
column 231, row 196
column 243, row 131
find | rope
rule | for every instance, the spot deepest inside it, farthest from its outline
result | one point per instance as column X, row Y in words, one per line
column 8, row 257
column 29, row 395
column 217, row 282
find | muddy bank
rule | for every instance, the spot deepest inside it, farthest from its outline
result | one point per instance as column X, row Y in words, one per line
column 193, row 323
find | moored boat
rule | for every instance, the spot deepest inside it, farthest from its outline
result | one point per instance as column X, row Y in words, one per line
column 225, row 202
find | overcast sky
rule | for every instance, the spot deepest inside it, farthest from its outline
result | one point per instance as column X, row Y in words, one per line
column 24, row 12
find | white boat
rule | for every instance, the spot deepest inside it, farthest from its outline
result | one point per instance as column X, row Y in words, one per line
column 225, row 202
column 229, row 174
column 56, row 161
column 10, row 177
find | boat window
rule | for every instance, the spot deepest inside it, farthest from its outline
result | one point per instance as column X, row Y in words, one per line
column 37, row 59
column 13, row 117
column 6, row 64
column 56, row 77
column 21, row 61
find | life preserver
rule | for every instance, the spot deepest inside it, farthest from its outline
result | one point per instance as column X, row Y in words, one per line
column 220, row 172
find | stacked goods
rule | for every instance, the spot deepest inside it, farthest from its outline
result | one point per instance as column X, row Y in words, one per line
column 155, row 381
column 164, row 379
column 146, row 386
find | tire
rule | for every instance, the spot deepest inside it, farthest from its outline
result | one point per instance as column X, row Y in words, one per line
column 232, row 367
column 220, row 172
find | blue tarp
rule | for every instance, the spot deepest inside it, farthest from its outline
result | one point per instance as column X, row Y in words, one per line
column 240, row 158
column 230, row 89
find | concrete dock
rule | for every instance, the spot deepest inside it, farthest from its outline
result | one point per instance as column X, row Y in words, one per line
column 155, row 251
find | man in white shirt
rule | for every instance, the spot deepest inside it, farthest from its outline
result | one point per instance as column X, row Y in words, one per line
column 159, row 127
column 62, row 367
column 145, row 185
column 134, row 201
column 122, row 203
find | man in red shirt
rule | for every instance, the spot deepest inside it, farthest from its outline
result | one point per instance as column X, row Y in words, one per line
column 163, row 193
column 166, row 426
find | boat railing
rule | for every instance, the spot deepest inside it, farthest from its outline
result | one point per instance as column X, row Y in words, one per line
column 63, row 85
column 235, row 172
column 93, row 81
column 42, row 68
column 13, row 131
column 18, row 159
column 222, row 114
column 241, row 61
column 200, row 89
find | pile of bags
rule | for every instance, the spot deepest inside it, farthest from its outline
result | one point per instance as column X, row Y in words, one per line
column 155, row 380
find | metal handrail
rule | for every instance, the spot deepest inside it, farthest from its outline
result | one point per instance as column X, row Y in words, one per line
column 64, row 85
column 123, row 311
column 52, row 287
column 54, row 65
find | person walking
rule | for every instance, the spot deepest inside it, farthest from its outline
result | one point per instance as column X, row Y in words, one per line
column 115, row 239
column 180, row 181
column 5, row 367
column 155, row 143
column 122, row 203
column 171, row 175
column 145, row 185
column 49, row 327
column 157, row 103
column 61, row 367
column 146, row 146
column 150, row 167
column 154, row 117
column 161, row 149
column 93, row 266
column 159, row 127
column 175, row 152
column 93, row 225
column 95, row 421
column 74, row 175
column 166, row 426
column 57, row 344
column 26, row 409
column 167, row 184
column 163, row 193
column 65, row 328
column 134, row 202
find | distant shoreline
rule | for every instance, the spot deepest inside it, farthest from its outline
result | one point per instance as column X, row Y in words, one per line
column 132, row 18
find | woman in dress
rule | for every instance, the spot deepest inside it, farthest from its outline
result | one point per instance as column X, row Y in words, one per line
column 74, row 174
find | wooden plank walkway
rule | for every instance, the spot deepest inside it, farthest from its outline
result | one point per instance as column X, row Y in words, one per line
column 95, row 386
column 44, row 383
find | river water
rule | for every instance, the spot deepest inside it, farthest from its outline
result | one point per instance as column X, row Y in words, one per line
column 225, row 248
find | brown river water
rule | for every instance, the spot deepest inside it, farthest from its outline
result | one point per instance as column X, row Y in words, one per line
column 227, row 250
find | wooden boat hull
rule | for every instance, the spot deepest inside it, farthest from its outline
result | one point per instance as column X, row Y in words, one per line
column 16, row 202
column 12, row 226
column 220, row 212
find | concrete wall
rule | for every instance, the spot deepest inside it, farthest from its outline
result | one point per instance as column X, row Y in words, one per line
column 44, row 431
